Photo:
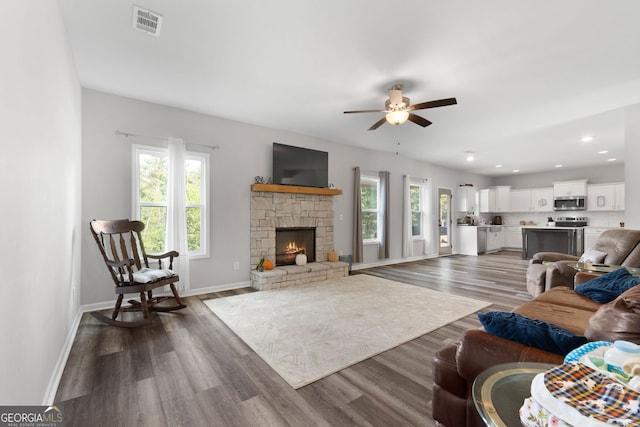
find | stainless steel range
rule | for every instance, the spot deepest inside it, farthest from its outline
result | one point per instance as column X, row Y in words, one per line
column 571, row 221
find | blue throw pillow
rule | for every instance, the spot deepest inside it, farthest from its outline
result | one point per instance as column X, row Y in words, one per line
column 530, row 332
column 606, row 288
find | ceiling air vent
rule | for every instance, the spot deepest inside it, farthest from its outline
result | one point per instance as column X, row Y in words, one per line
column 147, row 21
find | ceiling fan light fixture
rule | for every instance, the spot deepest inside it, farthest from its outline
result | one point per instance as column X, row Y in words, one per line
column 397, row 117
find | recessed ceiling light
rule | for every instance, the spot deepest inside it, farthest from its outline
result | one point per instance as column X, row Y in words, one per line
column 470, row 158
column 558, row 166
column 516, row 170
column 587, row 138
column 611, row 160
column 498, row 166
column 603, row 152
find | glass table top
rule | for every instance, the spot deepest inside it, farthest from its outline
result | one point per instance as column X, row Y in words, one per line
column 601, row 268
column 499, row 392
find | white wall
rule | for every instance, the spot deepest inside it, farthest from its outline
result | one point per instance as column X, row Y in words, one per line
column 245, row 151
column 594, row 175
column 40, row 122
column 632, row 169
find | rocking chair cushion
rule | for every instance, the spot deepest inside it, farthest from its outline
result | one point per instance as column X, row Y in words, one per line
column 148, row 275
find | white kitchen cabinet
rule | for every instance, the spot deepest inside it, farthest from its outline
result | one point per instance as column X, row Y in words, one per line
column 570, row 188
column 495, row 199
column 495, row 239
column 605, row 197
column 532, row 200
column 513, row 237
column 520, row 200
column 466, row 240
column 618, row 197
column 466, row 199
column 542, row 199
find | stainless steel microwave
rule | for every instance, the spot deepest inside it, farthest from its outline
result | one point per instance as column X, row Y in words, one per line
column 570, row 203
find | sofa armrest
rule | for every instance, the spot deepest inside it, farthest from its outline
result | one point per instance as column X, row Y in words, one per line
column 553, row 257
column 479, row 350
column 560, row 274
column 582, row 277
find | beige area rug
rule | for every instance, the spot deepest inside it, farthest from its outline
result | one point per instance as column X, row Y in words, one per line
column 308, row 332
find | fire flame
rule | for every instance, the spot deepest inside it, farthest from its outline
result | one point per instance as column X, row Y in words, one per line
column 292, row 248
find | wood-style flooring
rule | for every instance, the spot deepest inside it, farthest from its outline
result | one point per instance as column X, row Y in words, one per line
column 189, row 369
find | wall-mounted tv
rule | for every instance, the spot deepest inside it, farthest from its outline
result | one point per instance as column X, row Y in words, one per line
column 300, row 166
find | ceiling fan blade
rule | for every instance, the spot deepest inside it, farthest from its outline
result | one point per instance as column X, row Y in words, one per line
column 377, row 124
column 366, row 111
column 419, row 120
column 432, row 104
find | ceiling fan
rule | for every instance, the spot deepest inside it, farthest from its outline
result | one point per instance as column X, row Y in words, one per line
column 398, row 109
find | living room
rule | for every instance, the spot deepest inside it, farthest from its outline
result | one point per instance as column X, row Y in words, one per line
column 80, row 169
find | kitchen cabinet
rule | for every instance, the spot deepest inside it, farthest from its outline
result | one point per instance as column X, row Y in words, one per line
column 466, row 240
column 532, row 200
column 513, row 237
column 570, row 188
column 605, row 197
column 466, row 199
column 495, row 239
column 495, row 199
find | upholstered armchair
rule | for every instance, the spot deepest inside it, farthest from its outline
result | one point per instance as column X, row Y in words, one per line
column 550, row 269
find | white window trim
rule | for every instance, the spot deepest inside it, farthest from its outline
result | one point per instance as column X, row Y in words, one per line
column 136, row 204
column 374, row 180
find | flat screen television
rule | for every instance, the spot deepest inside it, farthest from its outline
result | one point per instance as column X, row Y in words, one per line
column 300, row 166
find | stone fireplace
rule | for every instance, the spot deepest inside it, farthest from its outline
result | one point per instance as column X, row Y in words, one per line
column 305, row 215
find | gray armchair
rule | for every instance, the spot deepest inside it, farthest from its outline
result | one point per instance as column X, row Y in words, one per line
column 550, row 269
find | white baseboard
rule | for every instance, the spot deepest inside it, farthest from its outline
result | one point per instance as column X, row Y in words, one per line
column 56, row 375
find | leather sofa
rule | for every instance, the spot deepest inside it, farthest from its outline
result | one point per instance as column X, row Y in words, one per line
column 549, row 269
column 455, row 366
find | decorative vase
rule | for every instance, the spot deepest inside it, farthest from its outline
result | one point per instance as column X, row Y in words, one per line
column 332, row 256
column 301, row 259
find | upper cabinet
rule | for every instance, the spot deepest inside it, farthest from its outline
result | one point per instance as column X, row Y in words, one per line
column 532, row 200
column 466, row 199
column 495, row 199
column 605, row 197
column 570, row 188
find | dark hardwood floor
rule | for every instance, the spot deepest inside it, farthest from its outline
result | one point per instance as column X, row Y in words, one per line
column 189, row 369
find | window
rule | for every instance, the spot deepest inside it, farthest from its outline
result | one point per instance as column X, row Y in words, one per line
column 151, row 187
column 415, row 194
column 369, row 202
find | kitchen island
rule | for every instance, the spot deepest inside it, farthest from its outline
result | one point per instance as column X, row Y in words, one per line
column 567, row 240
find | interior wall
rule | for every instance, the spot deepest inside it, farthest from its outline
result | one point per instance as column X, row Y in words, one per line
column 632, row 169
column 245, row 152
column 40, row 116
column 594, row 175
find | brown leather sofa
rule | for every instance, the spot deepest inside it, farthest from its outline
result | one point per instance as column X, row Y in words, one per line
column 621, row 246
column 455, row 366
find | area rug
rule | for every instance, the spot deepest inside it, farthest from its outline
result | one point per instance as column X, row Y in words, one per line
column 310, row 331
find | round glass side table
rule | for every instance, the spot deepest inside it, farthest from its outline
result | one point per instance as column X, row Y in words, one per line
column 499, row 391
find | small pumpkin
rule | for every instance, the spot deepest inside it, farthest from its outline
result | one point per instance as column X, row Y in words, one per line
column 332, row 256
column 267, row 264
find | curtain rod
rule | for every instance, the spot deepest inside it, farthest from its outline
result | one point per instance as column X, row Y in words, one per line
column 157, row 138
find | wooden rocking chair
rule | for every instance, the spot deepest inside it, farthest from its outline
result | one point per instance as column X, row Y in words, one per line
column 121, row 247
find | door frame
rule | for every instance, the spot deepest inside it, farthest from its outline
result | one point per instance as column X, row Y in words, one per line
column 445, row 250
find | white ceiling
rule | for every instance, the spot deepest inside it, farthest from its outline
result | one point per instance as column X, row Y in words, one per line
column 531, row 77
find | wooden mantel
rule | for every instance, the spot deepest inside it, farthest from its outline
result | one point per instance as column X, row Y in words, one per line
column 275, row 188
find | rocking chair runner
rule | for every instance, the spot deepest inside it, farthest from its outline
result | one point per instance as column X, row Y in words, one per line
column 121, row 247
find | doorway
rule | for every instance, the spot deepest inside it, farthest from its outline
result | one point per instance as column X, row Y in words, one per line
column 444, row 221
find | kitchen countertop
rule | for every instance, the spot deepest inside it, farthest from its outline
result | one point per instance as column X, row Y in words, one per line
column 545, row 227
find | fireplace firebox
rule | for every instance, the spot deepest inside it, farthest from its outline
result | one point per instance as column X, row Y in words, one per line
column 292, row 241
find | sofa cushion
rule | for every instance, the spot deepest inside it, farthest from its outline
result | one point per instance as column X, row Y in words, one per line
column 532, row 332
column 606, row 288
column 618, row 320
column 592, row 256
